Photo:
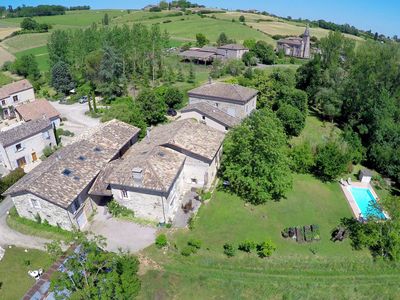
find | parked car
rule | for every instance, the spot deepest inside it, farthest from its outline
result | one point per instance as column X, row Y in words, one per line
column 171, row 112
column 83, row 99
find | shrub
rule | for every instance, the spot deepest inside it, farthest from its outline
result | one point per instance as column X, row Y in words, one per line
column 117, row 210
column 38, row 218
column 187, row 250
column 161, row 240
column 194, row 243
column 265, row 249
column 302, row 158
column 192, row 222
column 10, row 179
column 247, row 246
column 292, row 119
column 47, row 151
column 229, row 250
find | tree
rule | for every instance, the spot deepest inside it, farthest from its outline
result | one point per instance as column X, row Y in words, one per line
column 105, row 20
column 58, row 46
column 93, row 272
column 172, row 96
column 128, row 111
column 8, row 180
column 331, row 160
column 29, row 24
column 242, row 19
column 94, row 102
column 249, row 58
column 265, row 52
column 255, row 160
column 302, row 158
column 249, row 44
column 201, row 40
column 224, row 40
column 234, row 67
column 27, row 66
column 61, row 78
column 153, row 107
column 180, row 77
column 292, row 119
column 192, row 75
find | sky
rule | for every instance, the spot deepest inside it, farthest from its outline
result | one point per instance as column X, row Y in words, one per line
column 378, row 15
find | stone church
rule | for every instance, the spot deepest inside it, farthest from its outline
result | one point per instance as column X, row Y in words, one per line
column 296, row 46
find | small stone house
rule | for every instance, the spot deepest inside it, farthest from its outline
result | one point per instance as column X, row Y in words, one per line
column 365, row 176
column 23, row 144
column 14, row 94
column 153, row 176
column 235, row 100
column 209, row 115
column 38, row 109
column 57, row 189
column 232, row 51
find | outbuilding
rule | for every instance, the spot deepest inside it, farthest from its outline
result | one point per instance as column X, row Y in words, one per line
column 365, row 176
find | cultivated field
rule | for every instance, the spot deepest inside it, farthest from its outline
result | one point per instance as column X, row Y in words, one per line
column 6, row 31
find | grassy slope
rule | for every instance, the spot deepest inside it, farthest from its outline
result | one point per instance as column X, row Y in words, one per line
column 4, row 79
column 14, row 273
column 334, row 272
column 41, row 54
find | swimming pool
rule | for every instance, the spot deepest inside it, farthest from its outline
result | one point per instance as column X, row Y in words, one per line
column 366, row 201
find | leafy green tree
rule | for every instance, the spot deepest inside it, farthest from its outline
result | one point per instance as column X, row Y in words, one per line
column 292, row 119
column 128, row 111
column 331, row 160
column 94, row 102
column 8, row 180
column 192, row 75
column 223, row 39
column 29, row 24
column 255, row 160
column 242, row 19
column 234, row 67
column 265, row 52
column 27, row 66
column 265, row 249
column 329, row 103
column 58, row 46
column 180, row 76
column 61, row 78
column 172, row 96
column 250, row 58
column 217, row 69
column 153, row 107
column 302, row 158
column 201, row 40
column 100, row 275
column 250, row 43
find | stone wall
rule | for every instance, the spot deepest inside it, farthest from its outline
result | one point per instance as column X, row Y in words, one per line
column 54, row 214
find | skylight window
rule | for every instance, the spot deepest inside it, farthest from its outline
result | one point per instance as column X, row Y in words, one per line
column 82, row 158
column 67, row 172
column 97, row 149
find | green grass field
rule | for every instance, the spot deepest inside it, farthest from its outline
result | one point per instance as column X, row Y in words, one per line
column 41, row 55
column 14, row 278
column 4, row 79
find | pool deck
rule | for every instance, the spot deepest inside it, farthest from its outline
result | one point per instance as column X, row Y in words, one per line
column 350, row 199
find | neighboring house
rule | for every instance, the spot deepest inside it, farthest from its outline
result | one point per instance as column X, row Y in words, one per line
column 37, row 109
column 296, row 46
column 209, row 115
column 232, row 51
column 209, row 54
column 152, row 177
column 235, row 100
column 14, row 94
column 57, row 189
column 23, row 144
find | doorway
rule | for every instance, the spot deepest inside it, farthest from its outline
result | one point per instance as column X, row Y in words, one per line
column 34, row 156
column 21, row 162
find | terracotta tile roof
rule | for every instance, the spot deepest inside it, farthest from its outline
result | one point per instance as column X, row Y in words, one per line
column 213, row 113
column 23, row 131
column 296, row 41
column 37, row 109
column 64, row 175
column 224, row 91
column 14, row 87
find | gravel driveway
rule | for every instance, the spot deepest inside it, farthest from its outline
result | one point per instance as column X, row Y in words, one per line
column 10, row 237
column 120, row 234
column 77, row 122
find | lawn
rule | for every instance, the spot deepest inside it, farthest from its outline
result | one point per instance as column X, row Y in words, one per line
column 292, row 272
column 14, row 267
column 25, row 41
column 41, row 55
column 4, row 79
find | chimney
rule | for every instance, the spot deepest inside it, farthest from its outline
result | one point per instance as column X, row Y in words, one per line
column 137, row 174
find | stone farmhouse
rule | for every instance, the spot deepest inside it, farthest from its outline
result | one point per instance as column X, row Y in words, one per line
column 153, row 176
column 209, row 115
column 208, row 54
column 23, row 144
column 296, row 46
column 38, row 109
column 235, row 100
column 57, row 189
column 14, row 94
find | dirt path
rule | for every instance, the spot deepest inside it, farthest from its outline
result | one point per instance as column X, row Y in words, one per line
column 5, row 56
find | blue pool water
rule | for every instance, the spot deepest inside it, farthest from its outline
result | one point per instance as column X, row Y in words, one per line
column 366, row 203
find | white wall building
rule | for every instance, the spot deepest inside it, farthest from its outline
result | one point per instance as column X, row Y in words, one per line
column 23, row 144
column 14, row 94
